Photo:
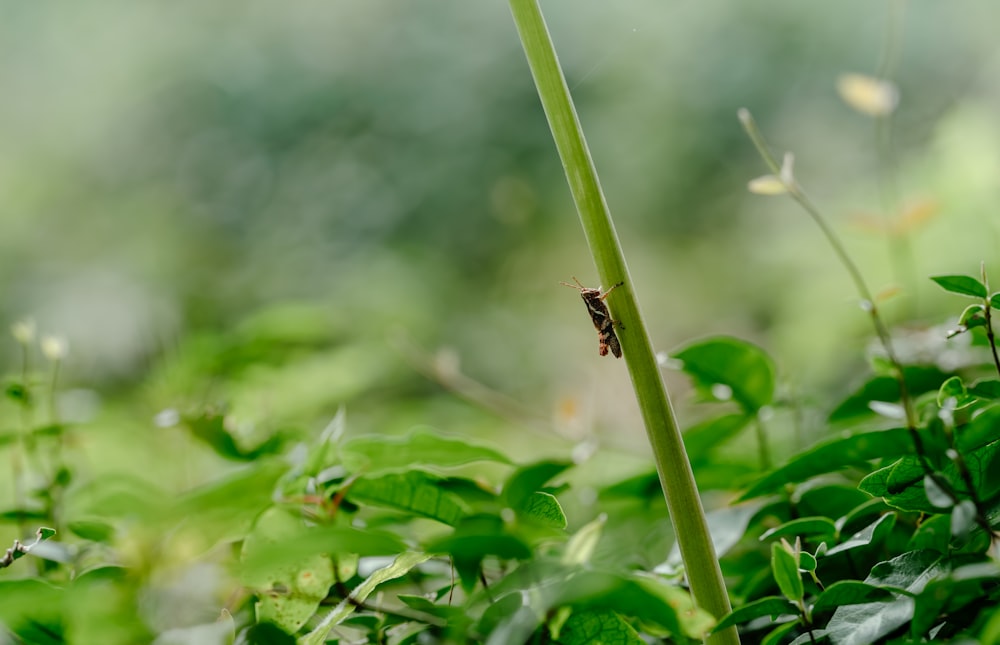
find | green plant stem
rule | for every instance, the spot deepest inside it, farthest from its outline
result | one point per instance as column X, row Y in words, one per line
column 987, row 309
column 992, row 338
column 763, row 450
column 899, row 245
column 53, row 391
column 868, row 302
column 19, row 451
column 673, row 466
column 56, row 487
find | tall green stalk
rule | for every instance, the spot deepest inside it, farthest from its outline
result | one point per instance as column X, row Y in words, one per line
column 672, row 464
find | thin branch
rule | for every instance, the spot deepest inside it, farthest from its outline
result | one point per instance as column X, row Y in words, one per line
column 868, row 303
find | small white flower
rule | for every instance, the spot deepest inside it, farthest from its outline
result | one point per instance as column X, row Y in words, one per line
column 23, row 331
column 54, row 348
column 868, row 95
column 167, row 418
column 767, row 185
column 787, row 173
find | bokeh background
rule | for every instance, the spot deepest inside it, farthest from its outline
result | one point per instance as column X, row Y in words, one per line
column 272, row 211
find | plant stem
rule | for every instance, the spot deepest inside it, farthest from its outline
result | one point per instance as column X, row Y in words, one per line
column 868, row 302
column 20, row 450
column 987, row 307
column 992, row 338
column 672, row 463
column 56, row 486
column 763, row 451
column 899, row 246
column 53, row 392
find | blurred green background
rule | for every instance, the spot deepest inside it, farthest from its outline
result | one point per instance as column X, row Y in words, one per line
column 269, row 211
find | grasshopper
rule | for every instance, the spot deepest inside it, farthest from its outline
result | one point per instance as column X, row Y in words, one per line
column 600, row 316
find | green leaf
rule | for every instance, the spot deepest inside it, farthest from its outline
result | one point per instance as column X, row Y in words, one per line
column 645, row 598
column 451, row 614
column 210, row 427
column 101, row 607
column 28, row 602
column 19, row 393
column 268, row 634
column 419, row 447
column 850, row 449
column 869, row 622
column 744, row 368
column 323, row 452
column 991, row 632
column 934, row 533
column 962, row 285
column 726, row 473
column 18, row 515
column 905, row 496
column 772, row 606
column 93, row 530
column 527, row 480
column 702, row 439
column 777, row 636
column 116, row 496
column 336, row 541
column 830, row 500
column 995, row 301
column 902, row 483
column 542, row 508
column 988, row 389
column 874, row 533
column 919, row 379
column 479, row 536
column 39, row 432
column 979, row 432
column 728, row 525
column 516, row 627
column 639, row 487
column 972, row 316
column 863, row 514
column 414, row 492
column 224, row 509
column 954, row 388
column 503, row 607
column 785, row 568
column 849, row 592
column 581, row 546
column 399, row 567
column 290, row 588
column 823, row 528
column 585, row 627
column 475, row 538
column 949, row 594
column 475, row 494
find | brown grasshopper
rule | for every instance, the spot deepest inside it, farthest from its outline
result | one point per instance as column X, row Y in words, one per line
column 600, row 316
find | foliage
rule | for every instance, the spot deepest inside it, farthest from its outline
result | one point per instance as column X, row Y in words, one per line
column 362, row 537
column 440, row 538
column 877, row 524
